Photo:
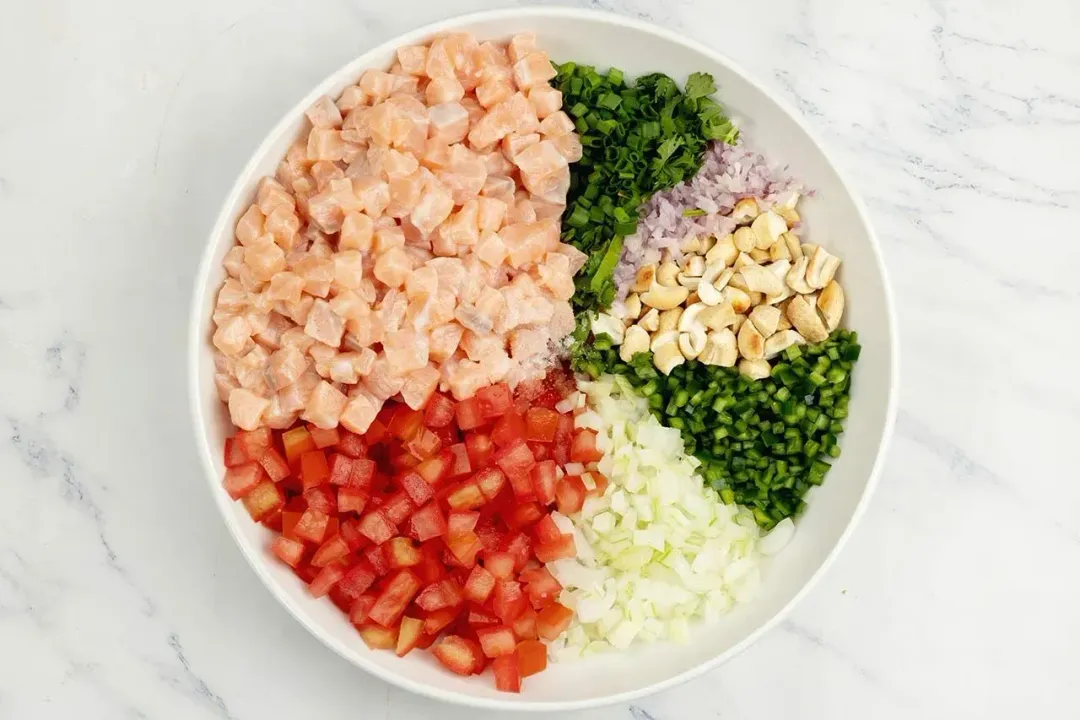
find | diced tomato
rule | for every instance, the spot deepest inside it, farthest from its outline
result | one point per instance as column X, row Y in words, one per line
column 427, row 523
column 358, row 613
column 494, row 400
column 341, row 467
column 521, row 482
column 490, row 481
column 508, row 601
column 466, row 496
column 350, row 532
column 430, row 569
column 509, row 429
column 247, row 446
column 525, row 624
column 558, row 550
column 540, row 586
column 489, row 535
column 289, row 518
column 404, row 461
column 531, row 657
column 437, row 621
column 357, row 580
column 394, row 598
column 479, row 447
column 601, row 483
column 570, row 494
column 479, row 585
column 324, row 438
column 416, row 487
column 439, row 411
column 540, row 451
column 314, row 469
column 423, row 444
column 519, row 547
column 376, row 527
column 275, row 466
column 379, row 638
column 435, row 469
column 468, row 414
column 459, row 523
column 563, row 435
column 481, row 617
column 377, row 557
column 321, row 498
column 330, row 551
column 496, row 641
column 234, row 454
column 351, row 444
column 583, row 447
column 544, row 478
column 351, row 499
column 398, row 507
column 263, row 499
column 296, row 442
column 408, row 635
column 541, row 424
column 288, row 551
column 458, row 655
column 499, row 564
column 524, row 515
column 546, row 531
column 443, row 594
column 400, row 552
column 312, row 526
column 553, row 620
column 405, row 423
column 362, row 473
column 507, row 672
column 376, row 433
column 515, row 459
column 448, row 435
column 465, row 548
column 327, row 578
column 272, row 521
column 306, row 572
column 242, row 479
column 460, row 465
column 425, row 641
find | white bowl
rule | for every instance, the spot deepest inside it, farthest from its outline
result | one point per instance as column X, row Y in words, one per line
column 834, row 215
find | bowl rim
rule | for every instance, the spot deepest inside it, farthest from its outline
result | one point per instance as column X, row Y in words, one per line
column 197, row 345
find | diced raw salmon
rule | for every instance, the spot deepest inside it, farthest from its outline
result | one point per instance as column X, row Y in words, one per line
column 392, row 309
column 413, row 59
column 406, row 350
column 264, row 257
column 474, row 108
column 355, row 128
column 250, row 225
column 439, row 64
column 491, row 249
column 356, row 232
column 232, row 296
column 556, row 276
column 349, row 305
column 377, row 84
column 234, row 261
column 297, row 312
column 324, row 324
column 397, row 164
column 477, row 347
column 277, row 417
column 419, row 386
column 246, row 408
column 449, row 122
column 533, row 69
column 270, row 336
column 348, row 270
column 442, row 242
column 286, row 286
column 462, row 226
column 538, row 160
column 382, row 382
column 324, row 210
column 351, row 98
column 465, row 378
column 546, row 210
column 444, row 90
column 491, row 305
column 285, row 366
column 514, row 143
column 474, row 320
column 525, row 120
column 577, row 258
column 409, row 123
column 522, row 211
column 349, row 367
column 323, row 355
column 556, row 124
column 373, row 193
column 405, row 194
column 363, row 332
column 494, row 91
column 393, row 267
column 490, row 213
column 284, row 225
column 294, row 397
column 342, row 188
column 323, row 408
column 569, row 146
column 441, row 307
column 499, row 187
column 527, row 342
column 272, row 194
column 492, row 62
column 324, row 113
column 528, row 242
column 424, row 280
column 297, row 338
column 232, row 336
column 324, row 172
column 225, row 384
column 444, row 340
column 436, row 203
column 387, row 239
column 521, row 45
column 545, row 100
column 250, row 370
column 360, row 411
column 497, row 123
column 436, row 155
column 325, row 144
column 317, row 272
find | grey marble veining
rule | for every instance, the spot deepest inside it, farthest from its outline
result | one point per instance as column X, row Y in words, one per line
column 121, row 594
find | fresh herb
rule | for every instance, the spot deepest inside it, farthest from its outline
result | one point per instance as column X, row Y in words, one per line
column 693, row 212
column 637, row 139
column 761, row 443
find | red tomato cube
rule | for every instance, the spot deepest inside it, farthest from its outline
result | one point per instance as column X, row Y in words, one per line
column 439, row 411
column 496, row 641
column 423, row 444
column 515, row 459
column 440, row 595
column 398, row 507
column 465, row 548
column 490, row 481
column 468, row 414
column 321, row 498
column 375, row 526
column 427, row 523
column 327, row 578
column 314, row 470
column 540, row 586
column 507, row 671
column 394, row 598
column 519, row 547
column 553, row 620
column 525, row 625
column 479, row 617
column 499, row 564
column 275, row 466
column 296, row 442
column 351, row 444
column 570, row 494
column 599, row 481
column 479, row 447
column 544, row 478
column 288, row 551
column 583, row 447
column 531, row 657
column 489, row 535
column 247, row 446
column 408, row 635
column 563, row 435
column 479, row 585
column 324, row 438
column 351, row 499
column 377, row 557
column 358, row 613
column 262, row 500
column 350, row 532
column 466, row 496
column 508, row 601
column 400, row 552
column 437, row 621
column 509, row 429
column 494, row 400
column 461, row 522
column 330, row 551
column 522, row 486
column 558, row 550
column 524, row 515
column 435, row 469
column 357, row 580
column 242, row 479
column 540, row 451
column 376, row 433
column 541, row 424
column 460, row 465
column 416, row 487
column 312, row 526
column 546, row 531
column 379, row 638
column 458, row 655
column 363, row 473
column 405, row 423
column 341, row 467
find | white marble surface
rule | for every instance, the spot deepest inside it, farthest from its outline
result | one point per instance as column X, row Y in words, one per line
column 124, row 123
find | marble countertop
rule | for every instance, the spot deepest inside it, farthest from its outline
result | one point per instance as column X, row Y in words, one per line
column 121, row 593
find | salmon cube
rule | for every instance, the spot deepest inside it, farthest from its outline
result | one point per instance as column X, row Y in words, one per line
column 354, row 128
column 569, row 146
column 246, row 408
column 250, row 370
column 324, row 325
column 436, row 203
column 528, row 342
column 546, row 210
column 521, row 46
column 491, row 61
column 479, row 347
column 550, row 188
column 325, row 144
column 422, row 281
column 413, row 59
column 374, row 194
column 232, row 336
column 297, row 338
column 360, row 411
column 377, row 84
column 383, row 382
column 348, row 305
column 387, row 239
column 324, row 210
column 439, row 64
column 324, row 407
column 234, row 261
column 444, row 341
column 451, row 272
column 545, row 100
column 474, row 320
column 349, row 367
column 393, row 267
column 225, row 384
column 521, row 110
column 297, row 312
column 317, row 272
column 444, row 90
column 356, row 232
column 397, row 164
column 539, row 159
column 514, row 143
column 351, row 98
column 277, row 417
column 391, row 309
column 348, row 270
column 523, row 211
column 283, row 224
column 490, row 213
column 494, row 91
column 405, row 194
column 499, row 187
column 491, row 248
column 272, row 194
column 449, row 122
column 294, row 397
column 420, row 386
column 465, row 176
column 250, row 225
column 555, row 275
column 497, row 123
column 323, row 356
column 462, row 228
column 533, row 69
column 577, row 258
column 405, row 350
column 324, row 172
column 324, row 113
column 562, row 319
column 491, row 304
column 363, row 331
column 285, row 366
column 264, row 257
column 233, row 297
column 528, row 242
column 270, row 336
column 556, row 124
column 286, row 286
column 474, row 108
